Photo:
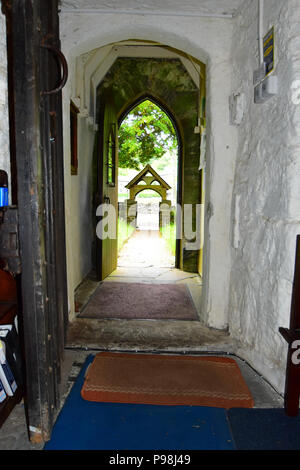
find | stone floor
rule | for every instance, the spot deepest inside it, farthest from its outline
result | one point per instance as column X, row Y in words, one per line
column 86, row 336
column 151, row 265
column 146, row 335
column 146, row 248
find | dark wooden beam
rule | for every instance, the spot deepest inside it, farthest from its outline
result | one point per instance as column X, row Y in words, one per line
column 292, row 334
column 36, row 125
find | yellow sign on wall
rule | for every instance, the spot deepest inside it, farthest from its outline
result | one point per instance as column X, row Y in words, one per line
column 269, row 51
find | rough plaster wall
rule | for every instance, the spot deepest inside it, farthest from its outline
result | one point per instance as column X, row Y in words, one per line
column 82, row 198
column 266, row 192
column 209, row 40
column 78, row 194
column 4, row 128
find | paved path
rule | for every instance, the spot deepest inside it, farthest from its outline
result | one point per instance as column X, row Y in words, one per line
column 146, row 248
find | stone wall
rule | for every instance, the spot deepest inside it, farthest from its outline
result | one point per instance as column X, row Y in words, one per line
column 4, row 128
column 266, row 202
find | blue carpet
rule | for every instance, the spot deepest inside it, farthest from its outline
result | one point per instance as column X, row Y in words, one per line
column 83, row 425
column 264, row 429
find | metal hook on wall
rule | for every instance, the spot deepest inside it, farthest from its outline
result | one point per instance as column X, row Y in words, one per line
column 64, row 65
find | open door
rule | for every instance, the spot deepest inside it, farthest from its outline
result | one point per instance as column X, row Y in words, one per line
column 107, row 243
column 37, row 73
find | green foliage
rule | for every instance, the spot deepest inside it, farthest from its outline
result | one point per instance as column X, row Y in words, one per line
column 146, row 134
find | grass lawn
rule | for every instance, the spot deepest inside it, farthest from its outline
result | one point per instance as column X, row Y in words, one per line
column 169, row 234
column 124, row 232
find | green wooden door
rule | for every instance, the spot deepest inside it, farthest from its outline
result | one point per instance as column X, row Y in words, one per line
column 107, row 252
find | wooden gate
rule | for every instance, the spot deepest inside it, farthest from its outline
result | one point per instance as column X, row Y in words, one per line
column 37, row 73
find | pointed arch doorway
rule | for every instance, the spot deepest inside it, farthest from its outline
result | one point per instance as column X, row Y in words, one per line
column 149, row 192
column 131, row 81
column 107, row 191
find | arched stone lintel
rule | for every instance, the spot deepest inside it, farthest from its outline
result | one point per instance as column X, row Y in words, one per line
column 135, row 190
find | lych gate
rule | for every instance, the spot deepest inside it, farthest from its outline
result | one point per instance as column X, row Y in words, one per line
column 148, row 178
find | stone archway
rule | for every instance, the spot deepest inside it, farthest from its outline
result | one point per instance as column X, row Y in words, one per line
column 167, row 83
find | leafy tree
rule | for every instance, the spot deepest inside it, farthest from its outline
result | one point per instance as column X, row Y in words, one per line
column 146, row 134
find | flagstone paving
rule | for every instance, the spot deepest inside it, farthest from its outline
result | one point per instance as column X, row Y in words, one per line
column 146, row 248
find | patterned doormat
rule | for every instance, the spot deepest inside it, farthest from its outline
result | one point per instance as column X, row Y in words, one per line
column 166, row 380
column 86, row 425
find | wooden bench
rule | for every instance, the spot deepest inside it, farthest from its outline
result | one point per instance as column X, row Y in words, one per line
column 292, row 334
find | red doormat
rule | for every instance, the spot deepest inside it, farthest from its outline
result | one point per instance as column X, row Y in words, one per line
column 131, row 300
column 166, row 380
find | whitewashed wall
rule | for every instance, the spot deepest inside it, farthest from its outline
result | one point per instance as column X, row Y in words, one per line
column 210, row 41
column 4, row 128
column 266, row 199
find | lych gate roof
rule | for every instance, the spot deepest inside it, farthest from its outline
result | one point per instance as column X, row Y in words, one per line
column 148, row 179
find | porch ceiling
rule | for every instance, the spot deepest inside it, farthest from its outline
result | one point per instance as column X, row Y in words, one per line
column 195, row 7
